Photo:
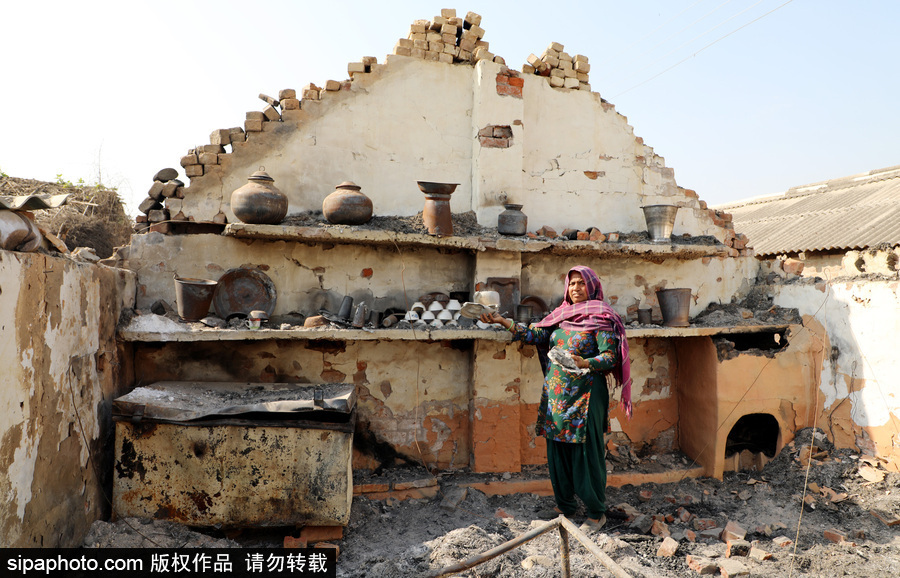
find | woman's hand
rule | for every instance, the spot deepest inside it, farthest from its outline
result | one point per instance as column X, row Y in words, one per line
column 581, row 362
column 494, row 317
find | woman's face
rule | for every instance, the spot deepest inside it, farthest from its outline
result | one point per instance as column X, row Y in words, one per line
column 577, row 288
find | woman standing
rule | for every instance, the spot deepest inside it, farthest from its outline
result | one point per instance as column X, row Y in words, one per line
column 573, row 411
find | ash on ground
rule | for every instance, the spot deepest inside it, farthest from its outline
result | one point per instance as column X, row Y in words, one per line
column 840, row 497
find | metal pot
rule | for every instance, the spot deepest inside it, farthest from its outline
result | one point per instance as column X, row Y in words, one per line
column 512, row 221
column 259, row 202
column 347, row 205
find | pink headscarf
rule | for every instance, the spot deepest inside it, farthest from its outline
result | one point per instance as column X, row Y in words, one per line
column 595, row 314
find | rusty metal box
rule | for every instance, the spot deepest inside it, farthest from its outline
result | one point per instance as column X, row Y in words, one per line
column 235, row 454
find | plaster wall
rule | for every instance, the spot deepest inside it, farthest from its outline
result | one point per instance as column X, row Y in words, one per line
column 859, row 392
column 412, row 119
column 61, row 368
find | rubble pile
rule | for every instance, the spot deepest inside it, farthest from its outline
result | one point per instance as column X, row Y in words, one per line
column 447, row 38
column 561, row 69
column 166, row 185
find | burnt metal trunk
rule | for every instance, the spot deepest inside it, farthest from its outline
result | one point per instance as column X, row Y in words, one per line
column 235, row 454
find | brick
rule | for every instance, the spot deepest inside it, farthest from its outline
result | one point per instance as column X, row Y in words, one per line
column 500, row 60
column 759, row 555
column 732, row 568
column 255, row 115
column 148, row 205
column 196, row 170
column 417, row 53
column 582, row 67
column 580, row 58
column 482, row 53
column 564, row 56
column 733, row 531
column 436, row 46
column 552, row 61
column 313, row 534
column 645, row 495
column 556, row 47
column 359, row 489
column 431, row 55
column 684, row 515
column 528, row 69
column 209, row 158
column 556, row 82
column 830, row 535
column 418, row 483
column 369, row 60
column 507, row 90
column 659, row 528
column 434, row 37
column 570, row 83
column 613, row 237
column 582, row 77
column 287, row 93
column 668, row 548
column 170, row 189
column 268, row 99
column 220, row 137
column 437, row 22
column 418, row 37
column 597, row 235
column 290, row 542
column 583, row 236
column 502, row 131
column 210, row 148
column 165, row 228
column 416, row 29
column 477, row 31
column 445, row 57
column 517, row 81
column 290, row 104
column 701, row 565
column 711, row 535
column 156, row 190
column 252, row 126
column 737, row 548
column 792, row 266
column 472, row 19
column 355, row 68
column 690, row 535
column 190, row 159
column 782, row 541
column 311, row 94
column 448, row 13
column 271, row 113
column 569, row 73
column 158, row 215
column 491, row 142
column 448, row 29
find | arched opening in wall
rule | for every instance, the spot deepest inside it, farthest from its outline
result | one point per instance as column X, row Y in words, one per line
column 752, row 442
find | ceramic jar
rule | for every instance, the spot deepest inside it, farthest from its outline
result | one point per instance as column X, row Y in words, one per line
column 347, row 205
column 259, row 202
column 512, row 221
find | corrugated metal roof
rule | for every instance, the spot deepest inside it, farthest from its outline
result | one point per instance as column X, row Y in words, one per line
column 853, row 212
column 33, row 202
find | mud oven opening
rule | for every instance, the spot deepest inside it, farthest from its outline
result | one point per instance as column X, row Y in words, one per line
column 752, row 442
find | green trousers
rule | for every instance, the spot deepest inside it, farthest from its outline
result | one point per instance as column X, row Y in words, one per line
column 580, row 469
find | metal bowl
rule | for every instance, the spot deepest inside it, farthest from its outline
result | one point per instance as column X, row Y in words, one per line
column 430, row 188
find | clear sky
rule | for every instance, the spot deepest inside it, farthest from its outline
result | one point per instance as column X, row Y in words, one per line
column 119, row 90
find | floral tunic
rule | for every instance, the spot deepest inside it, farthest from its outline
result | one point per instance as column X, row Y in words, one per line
column 562, row 414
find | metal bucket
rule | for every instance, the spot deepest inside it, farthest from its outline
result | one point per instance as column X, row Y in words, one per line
column 193, row 297
column 660, row 221
column 675, row 305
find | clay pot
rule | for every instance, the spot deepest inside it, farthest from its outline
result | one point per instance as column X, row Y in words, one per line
column 347, row 205
column 259, row 202
column 436, row 212
column 512, row 221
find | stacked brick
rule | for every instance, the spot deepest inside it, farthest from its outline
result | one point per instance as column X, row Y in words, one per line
column 561, row 69
column 447, row 38
column 165, row 186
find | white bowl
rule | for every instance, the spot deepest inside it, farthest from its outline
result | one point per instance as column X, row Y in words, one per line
column 451, row 323
column 411, row 316
column 417, row 307
column 427, row 316
column 435, row 306
column 437, row 323
column 482, row 325
column 453, row 305
column 445, row 315
column 419, row 324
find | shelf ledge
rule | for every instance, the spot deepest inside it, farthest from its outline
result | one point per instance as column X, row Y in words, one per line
column 351, row 235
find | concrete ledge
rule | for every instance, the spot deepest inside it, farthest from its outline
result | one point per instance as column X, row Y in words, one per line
column 352, row 235
column 189, row 333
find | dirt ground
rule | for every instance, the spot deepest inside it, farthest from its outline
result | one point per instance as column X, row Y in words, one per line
column 391, row 538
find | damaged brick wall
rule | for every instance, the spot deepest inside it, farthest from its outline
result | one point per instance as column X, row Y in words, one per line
column 62, row 368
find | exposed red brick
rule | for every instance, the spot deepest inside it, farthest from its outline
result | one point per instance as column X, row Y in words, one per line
column 733, row 531
column 502, row 79
column 701, row 565
column 737, row 548
column 418, row 483
column 792, row 266
column 834, row 536
column 701, row 524
column 367, row 273
column 314, row 534
column 519, row 82
column 291, row 542
column 782, row 541
column 508, row 90
column 369, row 488
column 491, row 142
